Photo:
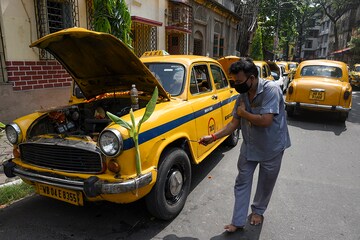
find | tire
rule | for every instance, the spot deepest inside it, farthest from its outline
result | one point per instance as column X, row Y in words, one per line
column 167, row 197
column 233, row 138
column 343, row 116
column 290, row 111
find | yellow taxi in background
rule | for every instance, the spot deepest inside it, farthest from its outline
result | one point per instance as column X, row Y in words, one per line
column 262, row 66
column 75, row 153
column 264, row 70
column 355, row 76
column 320, row 85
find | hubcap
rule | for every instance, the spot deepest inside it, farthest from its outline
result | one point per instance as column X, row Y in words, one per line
column 175, row 183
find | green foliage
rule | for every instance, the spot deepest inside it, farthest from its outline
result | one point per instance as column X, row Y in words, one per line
column 14, row 192
column 112, row 16
column 355, row 48
column 256, row 52
column 2, row 125
column 133, row 128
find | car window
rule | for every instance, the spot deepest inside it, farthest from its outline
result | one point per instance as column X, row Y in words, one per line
column 200, row 80
column 259, row 71
column 321, row 71
column 219, row 77
column 264, row 72
column 292, row 65
column 170, row 75
column 357, row 69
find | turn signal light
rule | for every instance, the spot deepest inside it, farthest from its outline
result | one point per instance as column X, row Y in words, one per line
column 16, row 152
column 113, row 166
column 346, row 95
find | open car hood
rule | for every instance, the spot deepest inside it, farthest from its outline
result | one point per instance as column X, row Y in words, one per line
column 99, row 62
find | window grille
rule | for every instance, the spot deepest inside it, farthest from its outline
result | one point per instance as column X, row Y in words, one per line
column 55, row 15
column 90, row 14
column 144, row 38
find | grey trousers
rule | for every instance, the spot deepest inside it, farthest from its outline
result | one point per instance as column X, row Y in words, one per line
column 268, row 172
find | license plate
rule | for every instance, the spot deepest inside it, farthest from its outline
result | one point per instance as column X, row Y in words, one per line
column 61, row 194
column 317, row 95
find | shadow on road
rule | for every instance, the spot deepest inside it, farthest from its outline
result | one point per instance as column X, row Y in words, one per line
column 96, row 220
column 326, row 121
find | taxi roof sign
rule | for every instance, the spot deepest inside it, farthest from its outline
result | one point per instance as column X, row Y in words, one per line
column 155, row 53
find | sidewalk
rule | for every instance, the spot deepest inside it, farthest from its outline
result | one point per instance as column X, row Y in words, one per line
column 5, row 154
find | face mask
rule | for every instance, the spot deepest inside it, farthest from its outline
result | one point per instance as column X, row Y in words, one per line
column 242, row 87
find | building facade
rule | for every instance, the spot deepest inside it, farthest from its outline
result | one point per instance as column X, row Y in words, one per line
column 31, row 79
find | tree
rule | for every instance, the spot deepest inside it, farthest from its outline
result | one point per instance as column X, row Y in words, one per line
column 355, row 48
column 112, row 16
column 248, row 10
column 335, row 9
column 257, row 47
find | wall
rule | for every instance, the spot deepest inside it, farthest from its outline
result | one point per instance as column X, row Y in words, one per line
column 153, row 10
column 16, row 104
column 31, row 84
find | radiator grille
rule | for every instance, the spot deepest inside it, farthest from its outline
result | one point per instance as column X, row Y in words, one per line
column 65, row 158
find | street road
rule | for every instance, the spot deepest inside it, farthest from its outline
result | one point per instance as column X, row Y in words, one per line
column 317, row 196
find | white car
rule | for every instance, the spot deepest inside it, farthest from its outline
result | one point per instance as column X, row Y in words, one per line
column 283, row 78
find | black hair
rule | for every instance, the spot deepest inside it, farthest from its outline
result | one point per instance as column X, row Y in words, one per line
column 245, row 65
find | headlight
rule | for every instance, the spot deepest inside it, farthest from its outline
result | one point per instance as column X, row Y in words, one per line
column 13, row 133
column 110, row 142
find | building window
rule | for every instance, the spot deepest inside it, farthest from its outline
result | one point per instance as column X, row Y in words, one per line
column 218, row 49
column 308, row 44
column 53, row 16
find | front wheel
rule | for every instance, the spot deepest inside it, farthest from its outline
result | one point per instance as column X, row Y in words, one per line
column 290, row 111
column 343, row 116
column 168, row 196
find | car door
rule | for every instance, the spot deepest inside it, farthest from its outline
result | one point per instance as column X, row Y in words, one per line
column 225, row 93
column 205, row 103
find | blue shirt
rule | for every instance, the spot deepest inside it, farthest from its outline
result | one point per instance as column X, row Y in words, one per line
column 264, row 143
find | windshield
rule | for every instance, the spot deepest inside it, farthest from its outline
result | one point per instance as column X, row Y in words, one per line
column 357, row 69
column 321, row 71
column 292, row 66
column 170, row 75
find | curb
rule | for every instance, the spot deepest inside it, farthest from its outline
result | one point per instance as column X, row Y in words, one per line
column 18, row 181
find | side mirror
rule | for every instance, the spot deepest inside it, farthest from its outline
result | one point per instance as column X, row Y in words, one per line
column 77, row 92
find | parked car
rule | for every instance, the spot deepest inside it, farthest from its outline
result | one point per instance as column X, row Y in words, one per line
column 290, row 68
column 226, row 63
column 75, row 153
column 285, row 76
column 355, row 76
column 278, row 73
column 264, row 70
column 320, row 85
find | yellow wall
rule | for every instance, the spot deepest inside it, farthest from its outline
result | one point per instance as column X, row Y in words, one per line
column 19, row 28
column 153, row 10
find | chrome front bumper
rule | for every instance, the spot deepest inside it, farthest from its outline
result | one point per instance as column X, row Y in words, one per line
column 92, row 187
column 317, row 106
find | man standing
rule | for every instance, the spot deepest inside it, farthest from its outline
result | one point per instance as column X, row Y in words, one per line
column 260, row 112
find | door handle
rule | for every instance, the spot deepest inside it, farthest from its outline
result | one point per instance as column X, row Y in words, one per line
column 214, row 97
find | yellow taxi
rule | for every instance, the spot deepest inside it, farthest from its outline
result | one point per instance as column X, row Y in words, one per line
column 320, row 85
column 262, row 66
column 226, row 63
column 264, row 70
column 355, row 76
column 75, row 153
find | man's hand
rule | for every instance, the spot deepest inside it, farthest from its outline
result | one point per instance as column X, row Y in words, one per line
column 241, row 109
column 205, row 140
